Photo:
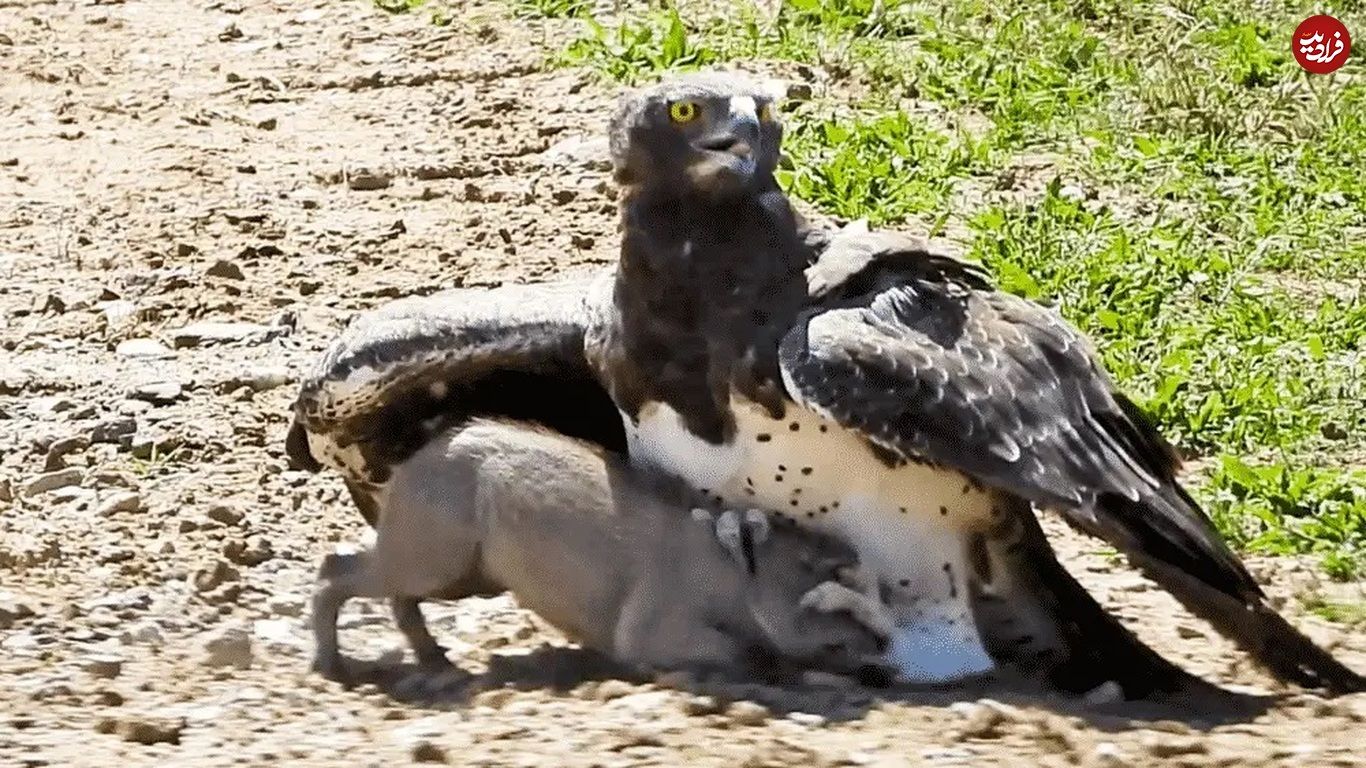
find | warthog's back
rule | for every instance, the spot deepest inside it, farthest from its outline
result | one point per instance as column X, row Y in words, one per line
column 566, row 528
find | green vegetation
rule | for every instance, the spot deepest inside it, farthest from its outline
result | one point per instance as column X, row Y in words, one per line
column 554, row 9
column 1352, row 612
column 1162, row 172
column 399, row 6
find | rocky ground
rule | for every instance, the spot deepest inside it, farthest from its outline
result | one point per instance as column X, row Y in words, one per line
column 194, row 197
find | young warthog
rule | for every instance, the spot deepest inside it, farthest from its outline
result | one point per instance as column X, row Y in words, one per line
column 611, row 557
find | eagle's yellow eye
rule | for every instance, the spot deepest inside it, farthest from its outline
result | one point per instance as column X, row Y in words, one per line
column 684, row 111
column 766, row 112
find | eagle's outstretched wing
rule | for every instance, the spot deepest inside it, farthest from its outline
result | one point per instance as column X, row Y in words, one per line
column 923, row 356
column 403, row 372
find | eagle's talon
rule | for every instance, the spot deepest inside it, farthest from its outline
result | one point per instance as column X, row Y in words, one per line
column 834, row 597
column 741, row 533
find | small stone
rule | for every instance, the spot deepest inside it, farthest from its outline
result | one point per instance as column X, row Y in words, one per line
column 206, row 333
column 1072, row 192
column 185, row 250
column 259, row 379
column 1353, row 707
column 269, row 124
column 113, row 430
column 1107, row 754
column 60, row 449
column 145, row 633
column 748, row 713
column 251, row 552
column 807, row 719
column 211, row 578
column 148, row 730
column 229, row 647
column 496, row 698
column 6, row 491
column 984, row 718
column 143, row 348
column 118, row 314
column 1187, row 632
column 1163, row 745
column 108, row 698
column 645, row 702
column 221, row 513
column 983, row 723
column 427, row 752
column 636, row 736
column 585, row 152
column 366, row 180
column 103, row 666
column 701, row 705
column 228, row 270
column 51, row 481
column 245, row 216
column 157, row 392
column 51, row 303
column 13, row 610
column 284, row 605
column 152, row 444
column 613, row 689
column 45, row 405
column 120, row 501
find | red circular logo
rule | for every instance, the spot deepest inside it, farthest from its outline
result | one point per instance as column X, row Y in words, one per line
column 1321, row 44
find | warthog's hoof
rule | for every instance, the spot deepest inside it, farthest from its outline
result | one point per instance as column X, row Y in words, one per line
column 432, row 681
column 433, row 656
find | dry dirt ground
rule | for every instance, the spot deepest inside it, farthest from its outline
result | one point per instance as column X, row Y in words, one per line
column 194, row 197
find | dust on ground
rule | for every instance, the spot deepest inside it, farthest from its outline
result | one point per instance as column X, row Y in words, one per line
column 194, row 198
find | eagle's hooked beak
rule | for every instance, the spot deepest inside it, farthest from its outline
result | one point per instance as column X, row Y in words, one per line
column 730, row 152
column 737, row 136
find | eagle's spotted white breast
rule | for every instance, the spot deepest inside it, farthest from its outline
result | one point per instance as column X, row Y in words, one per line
column 910, row 524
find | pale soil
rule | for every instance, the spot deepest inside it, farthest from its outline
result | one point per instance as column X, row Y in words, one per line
column 167, row 562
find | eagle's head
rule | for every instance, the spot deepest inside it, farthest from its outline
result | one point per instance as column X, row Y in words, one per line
column 714, row 134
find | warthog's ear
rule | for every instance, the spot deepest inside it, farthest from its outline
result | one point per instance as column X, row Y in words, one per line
column 740, row 535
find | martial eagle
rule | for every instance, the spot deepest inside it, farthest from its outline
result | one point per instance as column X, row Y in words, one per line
column 866, row 384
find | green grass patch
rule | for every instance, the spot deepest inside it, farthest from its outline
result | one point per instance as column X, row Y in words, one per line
column 1277, row 509
column 554, row 9
column 1352, row 613
column 632, row 49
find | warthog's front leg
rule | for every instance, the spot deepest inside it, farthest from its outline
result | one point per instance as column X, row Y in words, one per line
column 336, row 577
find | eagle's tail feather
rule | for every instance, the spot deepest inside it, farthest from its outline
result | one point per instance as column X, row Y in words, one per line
column 1209, row 580
column 1264, row 634
column 1094, row 646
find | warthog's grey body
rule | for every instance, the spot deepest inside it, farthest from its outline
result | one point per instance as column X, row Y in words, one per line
column 612, row 557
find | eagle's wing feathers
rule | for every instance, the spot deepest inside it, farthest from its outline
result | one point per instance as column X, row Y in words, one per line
column 931, row 364
column 409, row 368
